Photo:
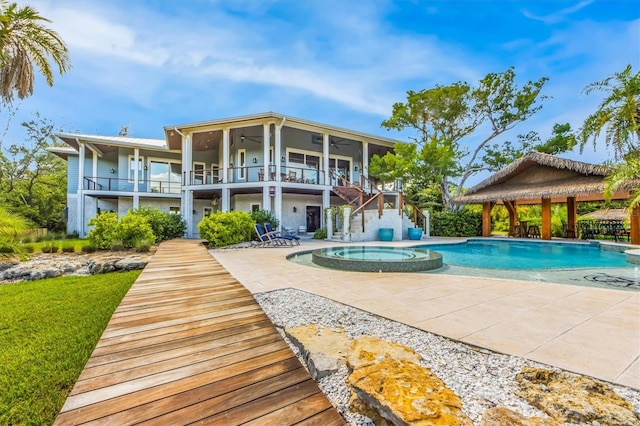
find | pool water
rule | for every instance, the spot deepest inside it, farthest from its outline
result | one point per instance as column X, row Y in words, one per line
column 376, row 253
column 529, row 256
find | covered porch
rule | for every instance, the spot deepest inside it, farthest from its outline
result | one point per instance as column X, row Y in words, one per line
column 543, row 179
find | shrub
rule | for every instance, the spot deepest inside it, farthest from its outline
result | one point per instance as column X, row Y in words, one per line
column 265, row 216
column 29, row 248
column 50, row 247
column 68, row 248
column 462, row 223
column 104, row 233
column 133, row 229
column 88, row 248
column 221, row 229
column 143, row 246
column 320, row 234
column 118, row 246
column 165, row 226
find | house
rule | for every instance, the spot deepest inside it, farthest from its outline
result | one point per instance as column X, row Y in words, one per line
column 292, row 167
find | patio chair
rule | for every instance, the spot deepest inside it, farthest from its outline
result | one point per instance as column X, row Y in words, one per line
column 267, row 239
column 293, row 239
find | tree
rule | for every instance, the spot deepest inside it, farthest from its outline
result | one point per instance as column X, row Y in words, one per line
column 32, row 180
column 618, row 113
column 624, row 176
column 25, row 41
column 12, row 226
column 497, row 156
column 446, row 119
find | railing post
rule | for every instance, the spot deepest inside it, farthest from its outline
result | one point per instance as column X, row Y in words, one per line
column 380, row 204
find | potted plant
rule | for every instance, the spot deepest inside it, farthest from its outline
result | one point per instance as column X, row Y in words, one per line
column 415, row 233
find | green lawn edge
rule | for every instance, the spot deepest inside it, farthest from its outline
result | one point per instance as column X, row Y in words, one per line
column 48, row 330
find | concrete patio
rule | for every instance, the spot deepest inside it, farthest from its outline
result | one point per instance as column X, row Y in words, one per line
column 587, row 330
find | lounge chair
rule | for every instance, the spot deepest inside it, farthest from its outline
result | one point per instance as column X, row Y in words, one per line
column 293, row 239
column 268, row 239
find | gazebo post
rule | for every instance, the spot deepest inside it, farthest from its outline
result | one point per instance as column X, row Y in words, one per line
column 635, row 226
column 487, row 206
column 513, row 212
column 546, row 219
column 572, row 212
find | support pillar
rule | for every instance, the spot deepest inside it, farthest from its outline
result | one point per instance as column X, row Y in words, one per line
column 513, row 213
column 487, row 206
column 635, row 226
column 572, row 213
column 546, row 219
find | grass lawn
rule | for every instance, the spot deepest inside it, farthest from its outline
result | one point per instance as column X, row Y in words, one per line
column 48, row 329
column 77, row 243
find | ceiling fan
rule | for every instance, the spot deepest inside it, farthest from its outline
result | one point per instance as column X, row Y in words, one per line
column 333, row 141
column 243, row 138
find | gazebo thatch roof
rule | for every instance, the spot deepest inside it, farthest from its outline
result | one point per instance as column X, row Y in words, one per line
column 607, row 214
column 538, row 175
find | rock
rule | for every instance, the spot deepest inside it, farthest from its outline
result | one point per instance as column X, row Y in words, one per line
column 45, row 273
column 405, row 393
column 570, row 398
column 131, row 263
column 368, row 350
column 4, row 265
column 502, row 416
column 102, row 266
column 324, row 350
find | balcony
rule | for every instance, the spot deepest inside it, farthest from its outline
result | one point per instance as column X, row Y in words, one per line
column 256, row 174
column 125, row 185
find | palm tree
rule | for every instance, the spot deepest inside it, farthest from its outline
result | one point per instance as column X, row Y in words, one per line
column 618, row 113
column 625, row 176
column 25, row 41
column 12, row 226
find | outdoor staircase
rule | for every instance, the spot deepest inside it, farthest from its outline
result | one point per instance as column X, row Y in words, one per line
column 351, row 195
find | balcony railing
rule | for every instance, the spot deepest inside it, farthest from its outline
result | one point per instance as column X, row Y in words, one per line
column 254, row 174
column 144, row 185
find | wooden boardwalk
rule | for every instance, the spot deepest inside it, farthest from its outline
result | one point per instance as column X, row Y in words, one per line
column 189, row 344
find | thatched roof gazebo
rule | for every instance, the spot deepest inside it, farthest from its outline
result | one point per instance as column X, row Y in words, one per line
column 538, row 178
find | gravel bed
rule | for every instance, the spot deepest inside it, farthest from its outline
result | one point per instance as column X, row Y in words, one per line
column 481, row 378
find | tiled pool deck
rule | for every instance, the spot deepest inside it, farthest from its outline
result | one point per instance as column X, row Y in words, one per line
column 588, row 330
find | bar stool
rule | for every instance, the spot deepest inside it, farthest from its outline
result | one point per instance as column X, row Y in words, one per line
column 534, row 231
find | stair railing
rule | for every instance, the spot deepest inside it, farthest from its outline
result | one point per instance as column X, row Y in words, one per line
column 419, row 219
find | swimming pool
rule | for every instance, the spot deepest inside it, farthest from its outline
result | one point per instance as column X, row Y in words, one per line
column 526, row 255
column 377, row 259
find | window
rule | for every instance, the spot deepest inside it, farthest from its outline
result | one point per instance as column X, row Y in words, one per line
column 174, row 210
column 296, row 158
column 242, row 159
column 198, row 172
column 132, row 171
column 255, row 207
column 165, row 176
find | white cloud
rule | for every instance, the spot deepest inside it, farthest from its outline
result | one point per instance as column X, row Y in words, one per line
column 560, row 15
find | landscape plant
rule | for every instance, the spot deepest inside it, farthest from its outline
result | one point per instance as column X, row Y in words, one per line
column 48, row 329
column 165, row 225
column 132, row 229
column 105, row 230
column 462, row 223
column 223, row 228
column 265, row 216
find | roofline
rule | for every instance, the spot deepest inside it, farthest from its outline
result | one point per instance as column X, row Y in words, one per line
column 277, row 116
column 114, row 140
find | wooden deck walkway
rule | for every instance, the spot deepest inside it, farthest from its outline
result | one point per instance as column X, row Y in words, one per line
column 189, row 344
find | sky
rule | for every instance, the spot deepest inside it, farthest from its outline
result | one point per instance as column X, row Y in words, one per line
column 152, row 63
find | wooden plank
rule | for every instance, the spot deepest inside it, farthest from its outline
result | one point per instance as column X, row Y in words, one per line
column 189, row 343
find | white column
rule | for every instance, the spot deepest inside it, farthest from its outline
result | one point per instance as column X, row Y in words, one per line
column 326, row 203
column 266, row 198
column 80, row 206
column 94, row 170
column 277, row 153
column 187, row 165
column 277, row 208
column 325, row 158
column 136, row 170
column 266, row 143
column 365, row 163
column 225, row 202
column 225, row 156
column 186, row 188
